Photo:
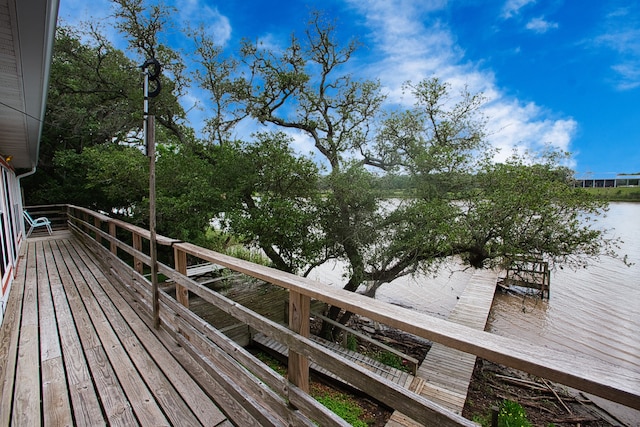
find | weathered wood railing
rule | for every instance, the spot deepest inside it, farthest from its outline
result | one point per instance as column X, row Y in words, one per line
column 204, row 342
column 57, row 214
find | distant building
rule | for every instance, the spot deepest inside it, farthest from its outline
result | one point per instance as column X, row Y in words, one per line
column 618, row 181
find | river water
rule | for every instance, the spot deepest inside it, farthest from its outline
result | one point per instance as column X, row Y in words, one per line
column 593, row 311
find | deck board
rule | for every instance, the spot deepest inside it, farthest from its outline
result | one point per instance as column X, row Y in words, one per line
column 26, row 399
column 56, row 405
column 73, row 352
column 445, row 373
column 203, row 408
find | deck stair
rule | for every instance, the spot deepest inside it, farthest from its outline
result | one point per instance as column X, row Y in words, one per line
column 392, row 374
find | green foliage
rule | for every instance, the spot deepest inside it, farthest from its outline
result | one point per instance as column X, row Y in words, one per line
column 463, row 203
column 512, row 414
column 341, row 404
column 272, row 199
column 344, row 407
column 272, row 362
column 187, row 194
column 524, row 208
column 390, row 359
column 94, row 99
column 238, row 251
column 615, row 194
column 352, row 342
column 268, row 195
column 104, row 177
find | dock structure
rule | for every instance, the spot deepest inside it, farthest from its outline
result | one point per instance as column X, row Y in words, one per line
column 528, row 272
column 444, row 375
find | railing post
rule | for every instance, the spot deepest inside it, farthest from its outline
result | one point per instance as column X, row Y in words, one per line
column 85, row 218
column 299, row 312
column 137, row 245
column 97, row 223
column 182, row 293
column 112, row 232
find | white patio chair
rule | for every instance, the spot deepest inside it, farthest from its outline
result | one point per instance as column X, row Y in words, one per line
column 38, row 222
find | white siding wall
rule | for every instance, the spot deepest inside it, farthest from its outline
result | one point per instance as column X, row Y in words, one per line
column 12, row 231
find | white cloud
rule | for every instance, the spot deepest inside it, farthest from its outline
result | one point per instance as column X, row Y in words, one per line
column 414, row 47
column 620, row 34
column 517, row 126
column 540, row 25
column 197, row 12
column 512, row 7
column 629, row 73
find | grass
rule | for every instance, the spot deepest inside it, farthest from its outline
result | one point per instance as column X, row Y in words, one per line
column 616, row 194
column 510, row 414
column 340, row 403
column 390, row 359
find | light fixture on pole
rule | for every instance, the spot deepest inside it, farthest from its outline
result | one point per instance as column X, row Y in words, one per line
column 151, row 69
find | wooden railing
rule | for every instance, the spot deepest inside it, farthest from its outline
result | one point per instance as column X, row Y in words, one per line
column 57, row 214
column 110, row 238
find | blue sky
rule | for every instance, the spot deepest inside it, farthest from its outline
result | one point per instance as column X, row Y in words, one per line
column 560, row 72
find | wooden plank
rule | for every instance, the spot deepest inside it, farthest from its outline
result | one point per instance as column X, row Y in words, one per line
column 118, row 410
column 86, row 405
column 26, row 404
column 182, row 293
column 144, row 405
column 9, row 336
column 96, row 370
column 202, row 406
column 198, row 270
column 299, row 312
column 444, row 375
column 55, row 398
column 137, row 245
column 262, row 403
column 390, row 393
column 388, row 372
column 186, row 322
column 414, row 362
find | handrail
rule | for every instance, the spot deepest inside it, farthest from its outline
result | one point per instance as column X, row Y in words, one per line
column 587, row 374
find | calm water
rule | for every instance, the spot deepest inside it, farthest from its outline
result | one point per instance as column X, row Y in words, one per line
column 593, row 311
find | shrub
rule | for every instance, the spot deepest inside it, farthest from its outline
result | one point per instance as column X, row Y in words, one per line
column 512, row 414
column 344, row 407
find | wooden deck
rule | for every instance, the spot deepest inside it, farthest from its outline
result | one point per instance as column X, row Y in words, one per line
column 73, row 352
column 445, row 373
